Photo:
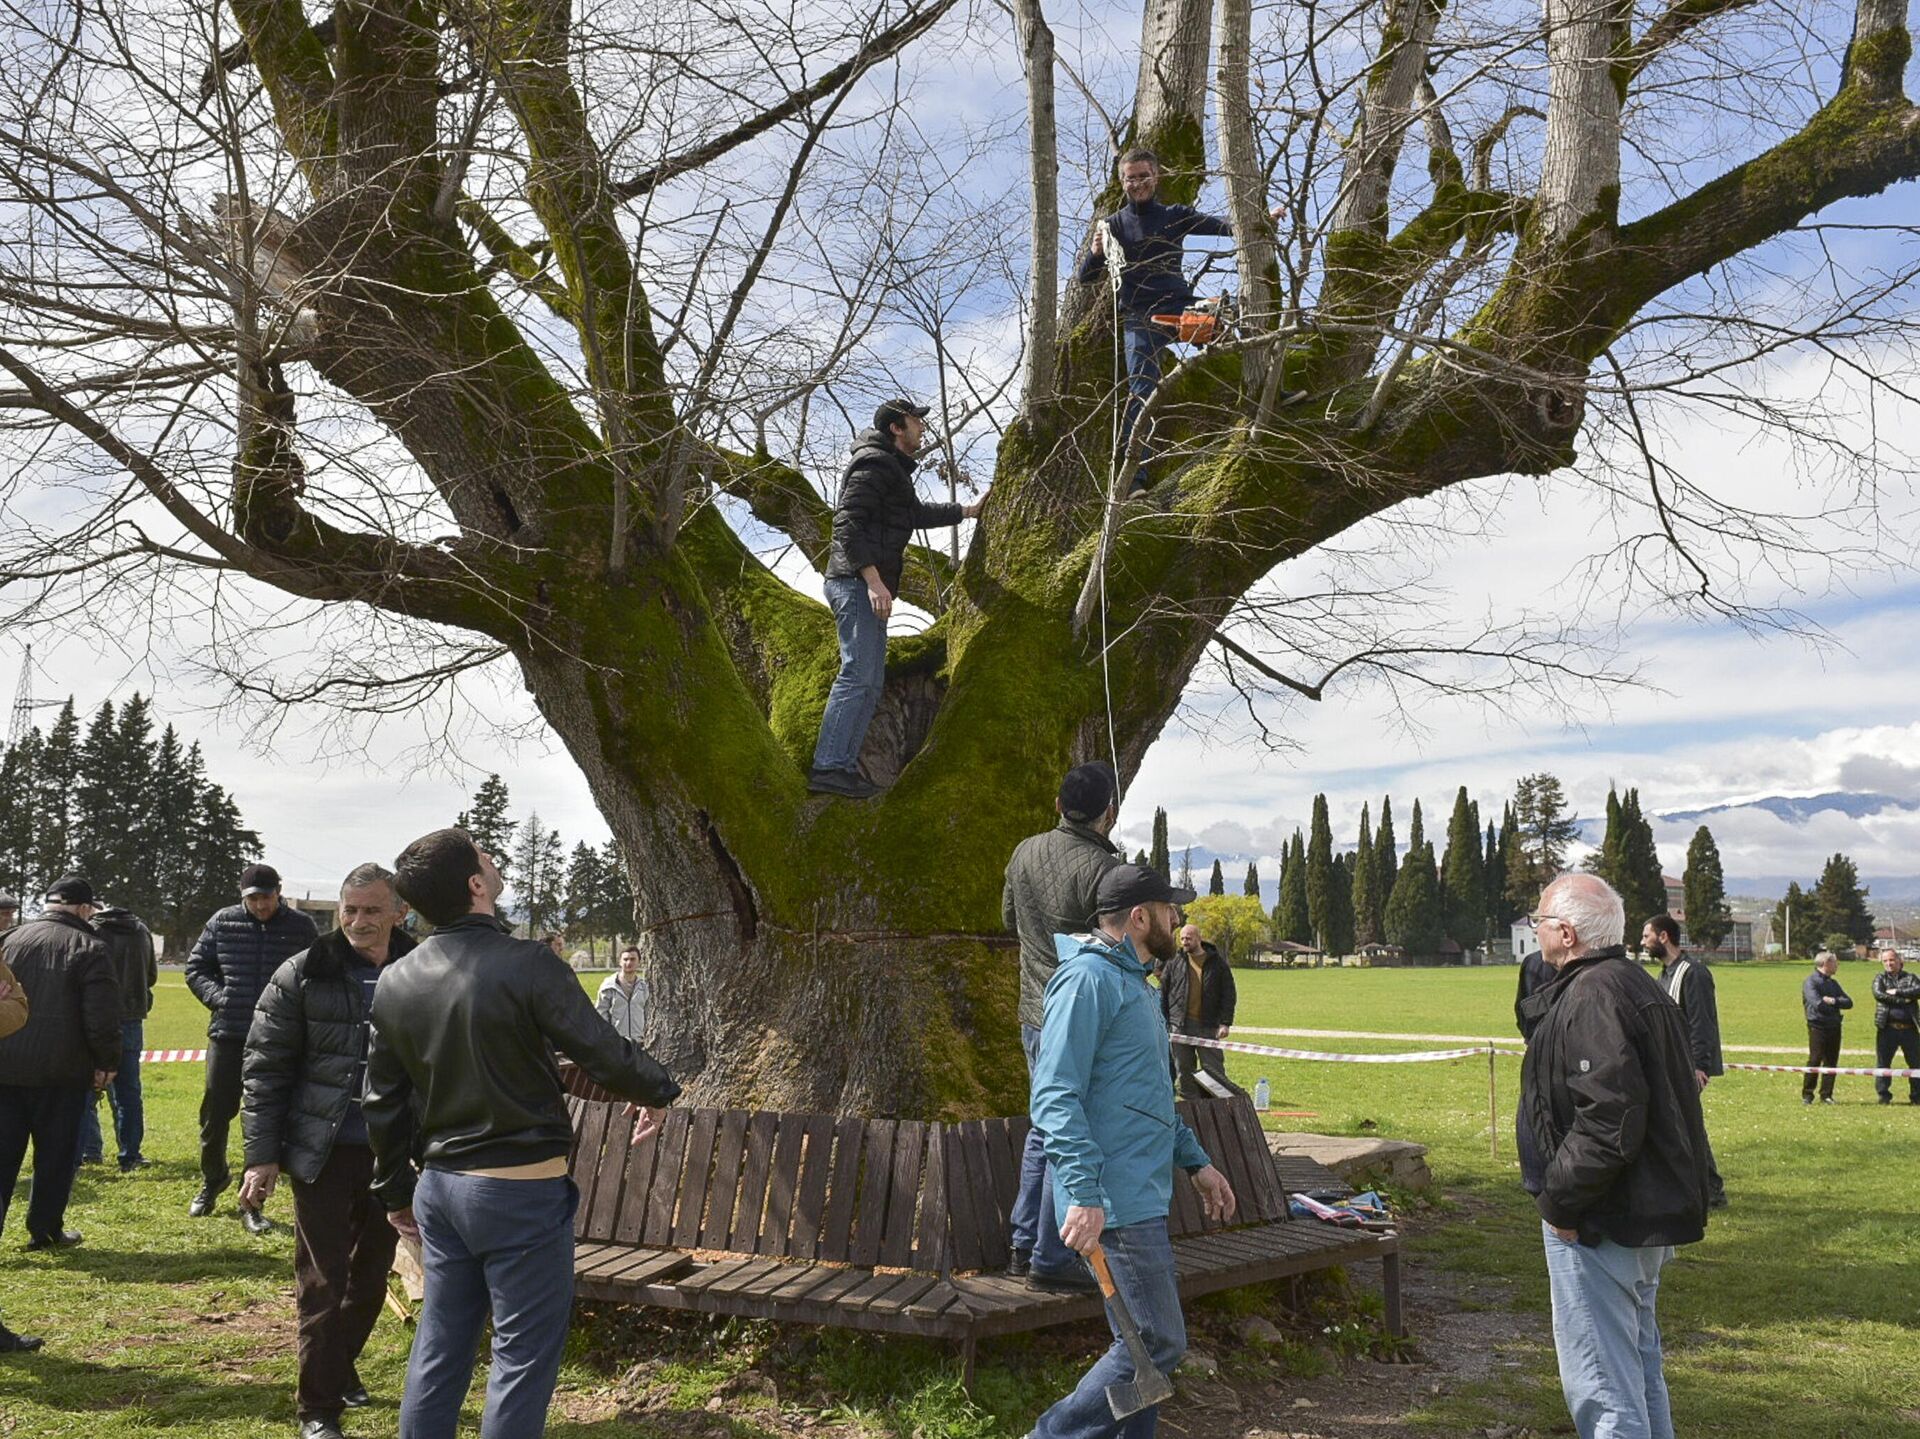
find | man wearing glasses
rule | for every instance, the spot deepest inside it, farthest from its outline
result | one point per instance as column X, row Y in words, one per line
column 1610, row 1095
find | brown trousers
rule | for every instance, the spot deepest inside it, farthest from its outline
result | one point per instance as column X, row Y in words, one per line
column 343, row 1248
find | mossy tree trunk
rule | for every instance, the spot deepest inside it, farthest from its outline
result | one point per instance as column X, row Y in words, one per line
column 817, row 953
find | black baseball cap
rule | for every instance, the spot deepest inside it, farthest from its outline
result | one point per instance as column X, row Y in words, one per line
column 1126, row 885
column 70, row 889
column 259, row 879
column 1086, row 791
column 895, row 412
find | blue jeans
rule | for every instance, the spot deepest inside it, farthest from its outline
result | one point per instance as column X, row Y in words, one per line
column 129, row 1113
column 1144, row 347
column 1607, row 1338
column 1034, row 1225
column 863, row 673
column 499, row 1245
column 1141, row 1259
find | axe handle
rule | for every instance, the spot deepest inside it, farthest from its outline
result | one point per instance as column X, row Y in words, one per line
column 1098, row 1259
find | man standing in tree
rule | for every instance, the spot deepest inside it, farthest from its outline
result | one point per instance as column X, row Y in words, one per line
column 1050, row 887
column 461, row 1080
column 876, row 514
column 1103, row 1094
column 1197, row 998
column 305, row 1070
column 231, row 963
column 1896, row 1024
column 1611, row 1096
column 1825, row 1002
column 1690, row 983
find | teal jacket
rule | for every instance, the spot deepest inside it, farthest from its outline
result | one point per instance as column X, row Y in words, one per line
column 1102, row 1088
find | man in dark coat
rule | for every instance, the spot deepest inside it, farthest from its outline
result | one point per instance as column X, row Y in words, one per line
column 1825, row 1003
column 1050, row 885
column 470, row 1134
column 1609, row 1088
column 231, row 963
column 875, row 515
column 1197, row 998
column 136, row 968
column 305, row 1070
column 67, row 1049
column 1690, row 985
column 1535, row 975
column 1896, row 1024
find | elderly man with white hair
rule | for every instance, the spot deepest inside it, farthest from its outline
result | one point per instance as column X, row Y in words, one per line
column 1609, row 1092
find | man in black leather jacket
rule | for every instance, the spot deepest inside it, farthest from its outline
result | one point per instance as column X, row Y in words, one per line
column 462, row 1079
column 875, row 515
column 304, row 1071
column 1608, row 1084
column 1896, row 1024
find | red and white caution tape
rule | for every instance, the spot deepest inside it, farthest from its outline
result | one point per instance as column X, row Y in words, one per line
column 173, row 1056
column 1819, row 1069
column 1420, row 1057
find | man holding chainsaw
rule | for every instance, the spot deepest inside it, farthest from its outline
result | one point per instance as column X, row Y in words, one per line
column 1140, row 248
column 1103, row 1096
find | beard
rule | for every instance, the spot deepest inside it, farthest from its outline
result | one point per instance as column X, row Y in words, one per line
column 1161, row 943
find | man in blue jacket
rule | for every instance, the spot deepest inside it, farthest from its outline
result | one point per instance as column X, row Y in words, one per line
column 1103, row 1095
column 231, row 963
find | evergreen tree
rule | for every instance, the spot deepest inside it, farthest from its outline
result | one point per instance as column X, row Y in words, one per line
column 613, row 913
column 1340, row 933
column 1512, row 881
column 1414, row 920
column 1463, row 880
column 1251, row 885
column 579, row 911
column 170, row 818
column 96, row 827
column 1368, row 902
column 1140, row 858
column 540, row 869
column 1217, row 882
column 1186, row 868
column 1794, row 922
column 1291, row 920
column 1416, row 831
column 220, row 846
column 18, row 768
column 1493, row 877
column 1838, row 903
column 1544, row 830
column 487, row 821
column 1609, row 860
column 53, row 785
column 1643, row 887
column 1386, row 861
column 1160, row 859
column 1709, row 921
column 1320, row 903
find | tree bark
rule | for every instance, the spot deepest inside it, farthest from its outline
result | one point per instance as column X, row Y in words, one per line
column 1043, row 183
column 1245, row 176
column 1586, row 59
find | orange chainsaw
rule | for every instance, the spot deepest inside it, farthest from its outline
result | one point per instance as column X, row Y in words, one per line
column 1202, row 322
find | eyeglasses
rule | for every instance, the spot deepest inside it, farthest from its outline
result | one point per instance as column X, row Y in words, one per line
column 1534, row 921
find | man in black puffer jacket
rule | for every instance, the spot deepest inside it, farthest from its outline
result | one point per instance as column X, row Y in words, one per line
column 875, row 515
column 231, row 963
column 1610, row 1094
column 306, row 1063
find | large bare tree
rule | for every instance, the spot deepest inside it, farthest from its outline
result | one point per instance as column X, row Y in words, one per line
column 498, row 331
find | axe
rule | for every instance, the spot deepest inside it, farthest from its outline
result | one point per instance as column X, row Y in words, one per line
column 1149, row 1386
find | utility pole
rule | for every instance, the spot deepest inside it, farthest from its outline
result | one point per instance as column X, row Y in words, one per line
column 22, row 701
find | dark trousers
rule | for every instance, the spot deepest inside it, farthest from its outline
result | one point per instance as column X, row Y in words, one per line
column 1907, row 1042
column 123, row 1095
column 342, row 1250
column 218, row 1105
column 49, row 1115
column 1823, row 1050
column 1187, row 1058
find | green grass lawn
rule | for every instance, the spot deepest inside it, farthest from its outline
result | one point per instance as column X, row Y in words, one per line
column 1795, row 1316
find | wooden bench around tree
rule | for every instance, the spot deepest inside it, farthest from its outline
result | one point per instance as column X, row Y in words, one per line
column 894, row 1225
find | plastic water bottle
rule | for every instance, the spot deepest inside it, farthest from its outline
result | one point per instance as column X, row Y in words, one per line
column 1262, row 1094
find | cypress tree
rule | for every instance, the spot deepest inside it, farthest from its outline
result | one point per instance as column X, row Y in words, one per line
column 1386, row 866
column 1641, row 886
column 1367, row 902
column 1290, row 918
column 1217, row 882
column 1416, row 832
column 1514, row 899
column 1340, row 939
column 1463, row 879
column 1709, row 921
column 1159, row 858
column 1251, row 886
column 1320, row 880
column 1186, row 868
column 1413, row 911
column 1140, row 858
column 1493, row 900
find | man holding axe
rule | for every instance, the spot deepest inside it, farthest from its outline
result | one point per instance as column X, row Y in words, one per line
column 1103, row 1096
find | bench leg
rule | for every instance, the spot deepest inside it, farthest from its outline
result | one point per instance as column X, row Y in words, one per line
column 969, row 1351
column 1390, row 1291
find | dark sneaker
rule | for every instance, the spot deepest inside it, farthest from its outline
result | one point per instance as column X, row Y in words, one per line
column 11, row 1343
column 847, row 783
column 1061, row 1281
column 355, row 1395
column 256, row 1222
column 1019, row 1264
column 1886, row 1099
column 65, row 1239
column 321, row 1429
column 1718, row 1201
column 1806, row 1099
column 139, row 1161
column 202, row 1204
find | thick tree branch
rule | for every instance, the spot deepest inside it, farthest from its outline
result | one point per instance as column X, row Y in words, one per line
column 1675, row 22
column 1043, row 185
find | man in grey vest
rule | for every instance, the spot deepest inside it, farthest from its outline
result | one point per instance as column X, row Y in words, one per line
column 1050, row 887
column 1689, row 983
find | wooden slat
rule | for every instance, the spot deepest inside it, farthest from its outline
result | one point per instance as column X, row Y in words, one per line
column 753, row 1182
column 586, row 1161
column 906, row 1290
column 729, row 1149
column 737, row 1281
column 712, row 1273
column 896, row 1242
column 876, row 1174
column 610, row 1178
column 1003, row 1163
column 930, row 1248
column 776, row 1278
column 992, row 1220
column 632, row 1220
column 694, row 1177
column 836, row 1233
column 1223, row 1148
column 782, row 1181
column 665, row 1189
column 936, row 1301
column 1269, row 1203
column 804, row 1279
column 963, row 1227
column 816, row 1168
column 647, row 1266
